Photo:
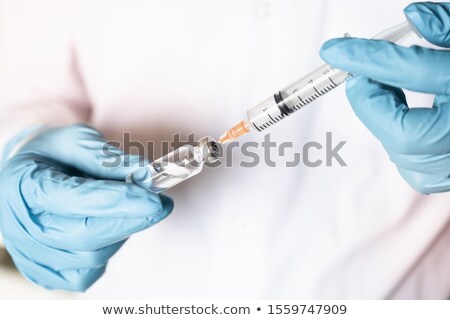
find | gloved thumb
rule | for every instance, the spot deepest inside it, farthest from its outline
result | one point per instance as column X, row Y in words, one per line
column 432, row 20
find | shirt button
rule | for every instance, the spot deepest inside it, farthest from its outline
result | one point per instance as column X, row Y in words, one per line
column 262, row 9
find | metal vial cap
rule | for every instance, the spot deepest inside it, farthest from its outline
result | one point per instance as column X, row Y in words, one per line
column 210, row 149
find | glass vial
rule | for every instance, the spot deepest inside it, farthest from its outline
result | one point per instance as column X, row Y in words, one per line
column 176, row 166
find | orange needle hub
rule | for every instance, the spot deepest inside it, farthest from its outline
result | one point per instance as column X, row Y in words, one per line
column 235, row 132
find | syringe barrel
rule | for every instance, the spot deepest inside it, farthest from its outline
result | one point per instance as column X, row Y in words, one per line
column 295, row 96
column 311, row 87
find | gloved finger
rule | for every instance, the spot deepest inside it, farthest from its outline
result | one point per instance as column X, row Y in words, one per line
column 403, row 130
column 77, row 280
column 84, row 148
column 62, row 259
column 37, row 246
column 415, row 68
column 432, row 20
column 46, row 189
column 167, row 208
column 433, row 164
column 88, row 234
column 425, row 183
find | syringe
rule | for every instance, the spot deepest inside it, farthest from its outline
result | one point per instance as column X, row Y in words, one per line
column 302, row 92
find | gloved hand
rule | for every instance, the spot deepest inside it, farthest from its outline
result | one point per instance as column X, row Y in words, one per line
column 65, row 210
column 417, row 139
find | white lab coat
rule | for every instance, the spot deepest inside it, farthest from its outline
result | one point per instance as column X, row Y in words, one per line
column 155, row 68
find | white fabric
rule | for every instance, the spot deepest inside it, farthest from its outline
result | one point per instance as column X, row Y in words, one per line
column 154, row 68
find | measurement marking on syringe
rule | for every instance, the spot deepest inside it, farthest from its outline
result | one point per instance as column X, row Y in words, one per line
column 317, row 91
column 301, row 100
column 271, row 118
column 324, row 90
column 256, row 127
column 312, row 98
column 335, row 85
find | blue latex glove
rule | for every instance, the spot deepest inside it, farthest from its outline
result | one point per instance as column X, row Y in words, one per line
column 63, row 213
column 417, row 139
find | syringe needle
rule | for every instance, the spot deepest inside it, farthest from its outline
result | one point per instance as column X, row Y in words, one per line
column 238, row 130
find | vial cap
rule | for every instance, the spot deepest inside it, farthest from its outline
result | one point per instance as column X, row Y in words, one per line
column 210, row 149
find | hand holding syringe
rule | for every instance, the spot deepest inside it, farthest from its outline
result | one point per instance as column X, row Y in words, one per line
column 302, row 92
